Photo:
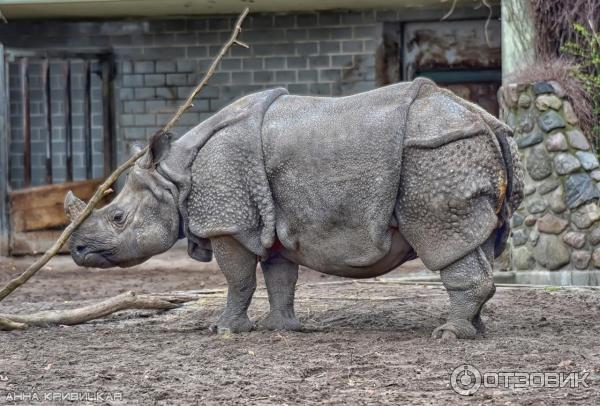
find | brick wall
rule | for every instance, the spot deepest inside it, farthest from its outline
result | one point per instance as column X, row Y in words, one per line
column 158, row 61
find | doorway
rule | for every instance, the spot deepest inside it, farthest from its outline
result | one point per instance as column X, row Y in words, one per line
column 60, row 133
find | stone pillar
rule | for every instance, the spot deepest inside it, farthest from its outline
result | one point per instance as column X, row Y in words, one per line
column 557, row 226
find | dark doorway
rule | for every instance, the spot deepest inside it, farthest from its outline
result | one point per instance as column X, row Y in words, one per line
column 463, row 56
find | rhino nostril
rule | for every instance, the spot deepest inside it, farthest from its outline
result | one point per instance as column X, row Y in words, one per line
column 80, row 248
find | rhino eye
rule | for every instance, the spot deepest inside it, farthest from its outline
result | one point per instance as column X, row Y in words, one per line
column 118, row 216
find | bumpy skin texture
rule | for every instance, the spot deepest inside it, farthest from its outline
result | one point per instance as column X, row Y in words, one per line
column 448, row 200
column 281, row 276
column 239, row 266
column 352, row 186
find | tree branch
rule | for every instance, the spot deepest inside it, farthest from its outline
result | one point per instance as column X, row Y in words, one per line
column 69, row 317
column 105, row 186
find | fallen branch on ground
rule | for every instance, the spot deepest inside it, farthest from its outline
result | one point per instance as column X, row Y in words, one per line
column 104, row 188
column 69, row 317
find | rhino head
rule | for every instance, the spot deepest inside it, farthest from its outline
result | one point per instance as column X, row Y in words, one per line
column 142, row 221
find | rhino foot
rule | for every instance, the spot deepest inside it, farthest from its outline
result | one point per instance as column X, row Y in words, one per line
column 470, row 284
column 281, row 320
column 231, row 325
column 454, row 329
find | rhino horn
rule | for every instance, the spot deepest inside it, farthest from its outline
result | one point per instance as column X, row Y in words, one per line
column 73, row 206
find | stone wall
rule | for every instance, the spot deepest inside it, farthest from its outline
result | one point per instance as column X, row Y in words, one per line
column 557, row 225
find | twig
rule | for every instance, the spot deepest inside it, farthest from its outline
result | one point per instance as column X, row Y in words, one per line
column 69, row 317
column 105, row 186
column 2, row 18
column 232, row 41
column 449, row 13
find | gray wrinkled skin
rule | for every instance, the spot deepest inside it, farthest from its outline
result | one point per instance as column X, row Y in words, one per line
column 351, row 186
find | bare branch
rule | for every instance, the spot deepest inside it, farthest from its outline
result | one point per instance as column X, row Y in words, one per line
column 232, row 41
column 6, row 324
column 449, row 13
column 105, row 186
column 69, row 317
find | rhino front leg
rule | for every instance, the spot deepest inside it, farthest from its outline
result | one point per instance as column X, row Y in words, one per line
column 239, row 266
column 280, row 277
column 469, row 282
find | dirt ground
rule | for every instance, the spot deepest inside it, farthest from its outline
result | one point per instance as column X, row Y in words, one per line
column 362, row 343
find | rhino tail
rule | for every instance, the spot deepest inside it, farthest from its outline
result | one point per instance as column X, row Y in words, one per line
column 514, row 185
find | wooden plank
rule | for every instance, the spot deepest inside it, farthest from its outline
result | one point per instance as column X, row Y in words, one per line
column 87, row 117
column 26, row 122
column 4, row 223
column 39, row 195
column 68, row 121
column 108, row 116
column 35, row 242
column 38, row 219
column 48, row 111
column 41, row 207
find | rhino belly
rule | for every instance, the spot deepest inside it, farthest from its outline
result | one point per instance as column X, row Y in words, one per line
column 320, row 257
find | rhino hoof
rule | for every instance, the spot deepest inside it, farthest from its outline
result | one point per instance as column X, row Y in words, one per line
column 231, row 325
column 455, row 329
column 448, row 335
column 277, row 320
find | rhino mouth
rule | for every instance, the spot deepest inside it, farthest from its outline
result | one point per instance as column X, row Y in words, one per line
column 96, row 259
column 102, row 259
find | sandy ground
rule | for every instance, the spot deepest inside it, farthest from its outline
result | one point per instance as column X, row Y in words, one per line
column 362, row 343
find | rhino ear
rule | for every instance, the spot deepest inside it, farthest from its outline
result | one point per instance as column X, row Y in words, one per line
column 158, row 149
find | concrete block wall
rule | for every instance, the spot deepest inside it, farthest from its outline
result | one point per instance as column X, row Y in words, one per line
column 159, row 61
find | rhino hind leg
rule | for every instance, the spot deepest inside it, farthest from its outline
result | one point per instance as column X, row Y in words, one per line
column 280, row 277
column 470, row 284
column 239, row 267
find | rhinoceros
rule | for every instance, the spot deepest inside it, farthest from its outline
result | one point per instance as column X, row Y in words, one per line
column 351, row 186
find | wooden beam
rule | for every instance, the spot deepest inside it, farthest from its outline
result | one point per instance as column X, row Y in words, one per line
column 41, row 207
column 4, row 221
column 26, row 122
column 47, row 89
column 68, row 121
column 108, row 123
column 87, row 117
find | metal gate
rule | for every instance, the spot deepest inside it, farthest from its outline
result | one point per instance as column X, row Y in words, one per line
column 60, row 136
